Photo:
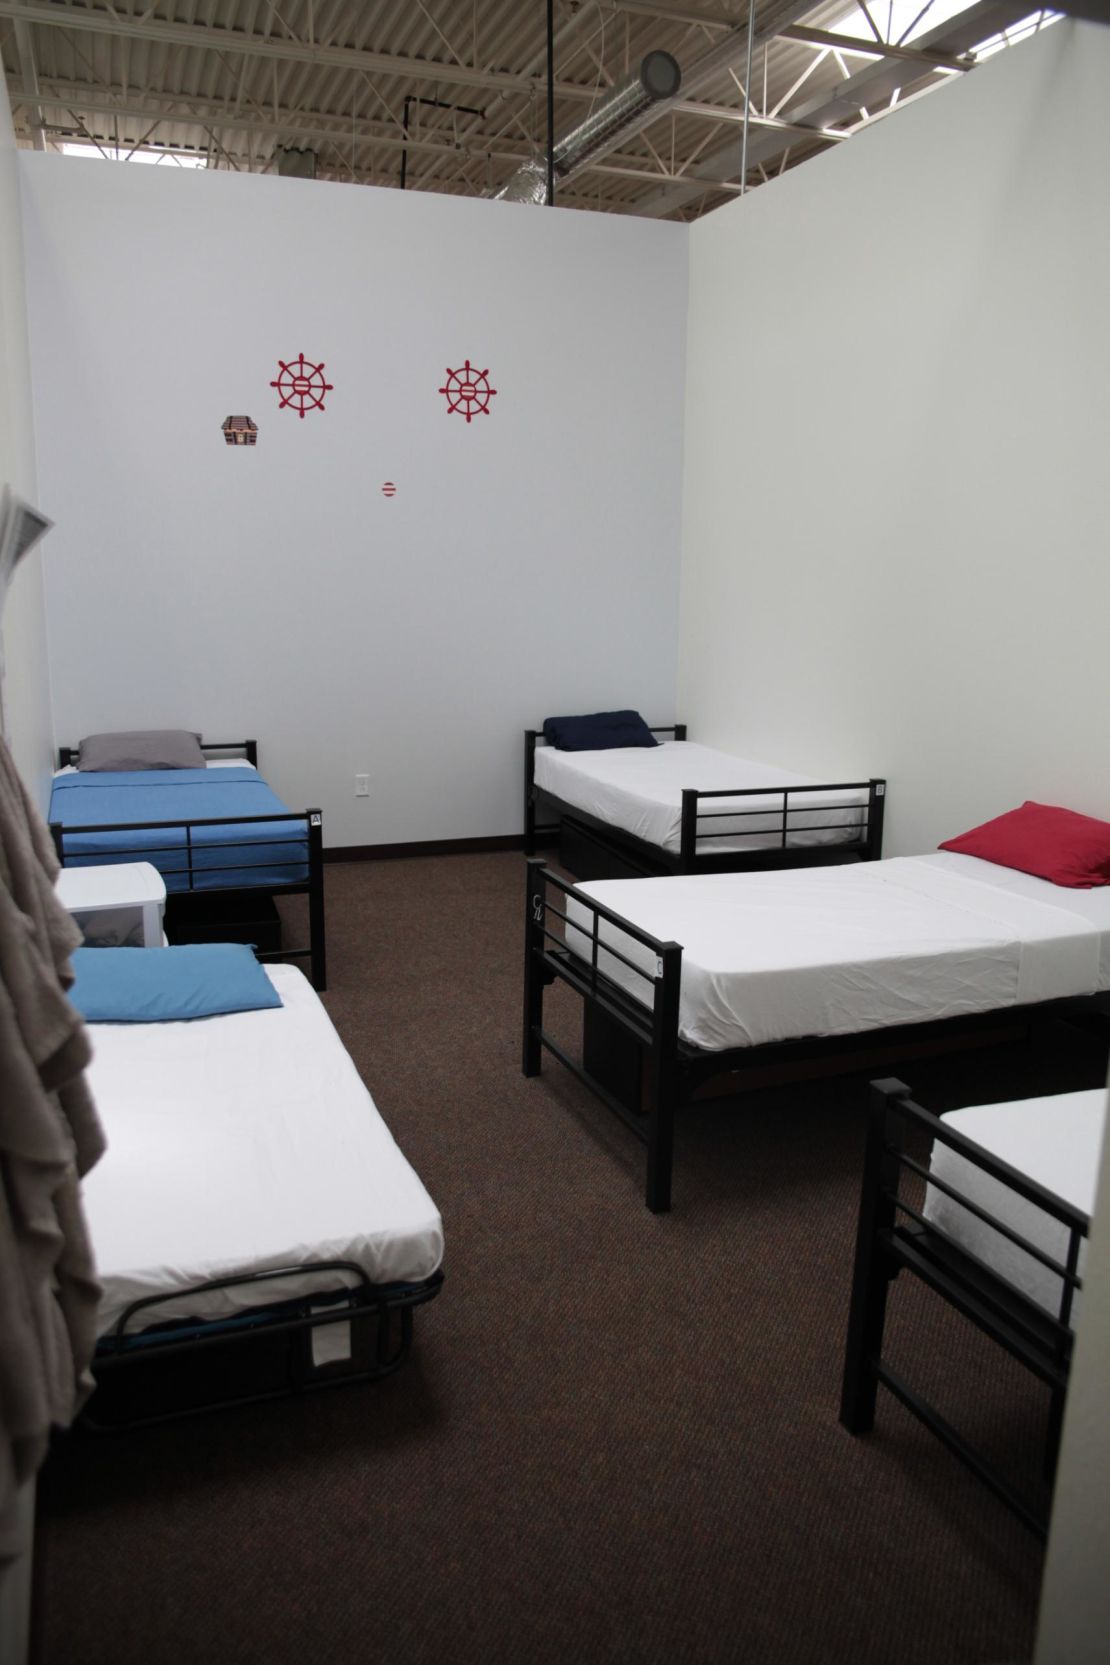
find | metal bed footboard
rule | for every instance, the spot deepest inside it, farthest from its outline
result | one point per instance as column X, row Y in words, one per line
column 195, row 867
column 68, row 755
column 893, row 1235
column 654, row 1027
column 697, row 855
column 389, row 1307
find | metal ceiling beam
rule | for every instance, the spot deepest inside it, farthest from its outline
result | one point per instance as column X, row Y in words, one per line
column 204, row 37
column 872, row 84
column 876, row 49
column 712, row 64
column 773, row 17
column 734, row 117
column 288, row 125
column 204, row 113
column 200, row 112
column 201, row 37
column 876, row 81
column 29, row 74
column 697, row 16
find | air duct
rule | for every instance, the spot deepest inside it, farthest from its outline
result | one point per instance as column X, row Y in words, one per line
column 658, row 77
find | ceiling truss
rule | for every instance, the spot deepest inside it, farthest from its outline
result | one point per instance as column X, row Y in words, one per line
column 457, row 88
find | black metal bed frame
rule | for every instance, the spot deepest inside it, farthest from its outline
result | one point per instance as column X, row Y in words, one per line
column 633, row 1057
column 894, row 1236
column 384, row 1311
column 616, row 853
column 68, row 755
column 311, row 886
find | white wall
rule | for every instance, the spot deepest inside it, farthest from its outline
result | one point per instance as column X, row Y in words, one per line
column 528, row 563
column 1074, row 1621
column 25, row 685
column 895, row 552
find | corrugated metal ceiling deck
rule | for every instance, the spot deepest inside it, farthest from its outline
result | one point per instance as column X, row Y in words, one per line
column 453, row 92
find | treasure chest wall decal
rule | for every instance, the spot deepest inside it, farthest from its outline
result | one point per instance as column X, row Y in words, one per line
column 240, row 430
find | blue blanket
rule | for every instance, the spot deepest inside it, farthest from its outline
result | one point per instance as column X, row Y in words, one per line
column 264, row 854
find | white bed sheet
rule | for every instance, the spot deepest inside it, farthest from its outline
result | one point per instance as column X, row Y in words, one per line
column 639, row 789
column 242, row 1143
column 1056, row 1141
column 841, row 950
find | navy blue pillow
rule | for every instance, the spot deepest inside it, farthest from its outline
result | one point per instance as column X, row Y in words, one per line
column 602, row 731
column 161, row 985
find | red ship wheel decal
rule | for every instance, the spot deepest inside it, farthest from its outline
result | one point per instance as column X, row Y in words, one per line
column 468, row 390
column 301, row 385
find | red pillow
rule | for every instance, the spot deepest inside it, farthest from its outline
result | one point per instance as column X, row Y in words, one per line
column 1055, row 844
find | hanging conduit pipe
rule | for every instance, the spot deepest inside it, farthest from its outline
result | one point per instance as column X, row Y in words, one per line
column 658, row 77
column 549, row 192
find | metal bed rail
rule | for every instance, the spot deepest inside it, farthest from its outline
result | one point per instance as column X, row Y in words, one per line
column 655, row 1026
column 189, row 846
column 894, row 1235
column 68, row 755
column 777, row 801
column 307, row 839
column 124, row 1349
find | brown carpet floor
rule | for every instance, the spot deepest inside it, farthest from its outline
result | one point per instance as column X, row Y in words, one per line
column 616, row 1439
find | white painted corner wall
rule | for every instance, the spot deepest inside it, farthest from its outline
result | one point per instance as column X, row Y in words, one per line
column 895, row 549
column 1074, row 1620
column 24, row 681
column 527, row 564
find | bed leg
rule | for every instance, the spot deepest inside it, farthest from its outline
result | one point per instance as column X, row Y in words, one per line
column 662, row 1080
column 871, row 1279
column 1052, row 1437
column 316, row 933
column 533, row 967
column 688, row 837
column 660, row 1161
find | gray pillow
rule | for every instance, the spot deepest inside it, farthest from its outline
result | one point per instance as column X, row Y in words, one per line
column 150, row 748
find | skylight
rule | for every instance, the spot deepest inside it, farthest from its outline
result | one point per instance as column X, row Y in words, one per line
column 125, row 153
column 904, row 21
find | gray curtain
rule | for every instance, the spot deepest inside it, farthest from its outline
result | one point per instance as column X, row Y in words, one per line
column 49, row 1138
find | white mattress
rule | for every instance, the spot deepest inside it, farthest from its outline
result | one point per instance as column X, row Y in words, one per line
column 242, row 1143
column 211, row 763
column 840, row 950
column 1056, row 1141
column 639, row 789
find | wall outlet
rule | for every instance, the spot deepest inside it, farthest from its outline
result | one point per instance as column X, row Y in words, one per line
column 362, row 786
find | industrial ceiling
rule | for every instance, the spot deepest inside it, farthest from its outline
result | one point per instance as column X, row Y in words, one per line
column 452, row 95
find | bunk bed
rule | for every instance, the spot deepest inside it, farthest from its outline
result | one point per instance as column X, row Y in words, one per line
column 223, row 841
column 677, row 807
column 993, row 1218
column 255, row 1226
column 689, row 980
